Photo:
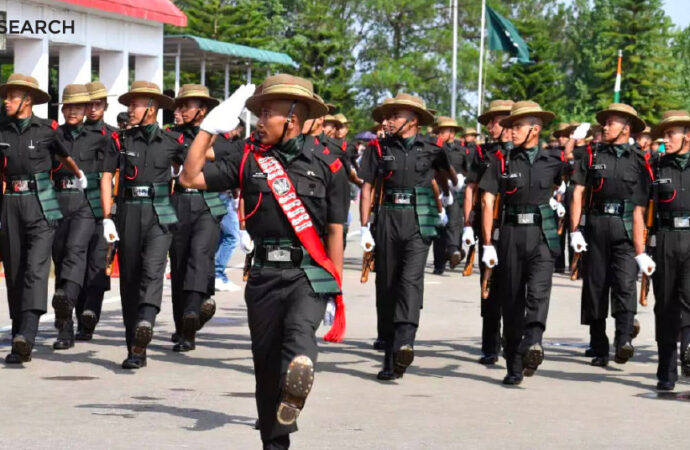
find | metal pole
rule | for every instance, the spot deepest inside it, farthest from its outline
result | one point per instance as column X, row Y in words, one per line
column 480, row 88
column 247, row 124
column 177, row 68
column 203, row 70
column 227, row 80
column 454, row 81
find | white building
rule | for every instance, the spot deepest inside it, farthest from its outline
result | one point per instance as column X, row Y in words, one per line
column 107, row 40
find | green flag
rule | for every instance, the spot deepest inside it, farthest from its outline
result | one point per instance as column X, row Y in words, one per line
column 504, row 36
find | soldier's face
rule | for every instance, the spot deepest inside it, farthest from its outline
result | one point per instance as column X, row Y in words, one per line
column 330, row 128
column 177, row 116
column 74, row 114
column 447, row 134
column 644, row 141
column 676, row 139
column 14, row 99
column 524, row 129
column 342, row 132
column 470, row 138
column 272, row 118
column 397, row 121
column 616, row 127
column 562, row 140
column 313, row 126
column 96, row 109
column 138, row 107
column 192, row 111
column 495, row 128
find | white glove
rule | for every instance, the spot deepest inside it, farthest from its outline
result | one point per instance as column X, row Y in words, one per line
column 329, row 315
column 577, row 242
column 558, row 207
column 468, row 235
column 175, row 174
column 236, row 203
column 581, row 131
column 367, row 241
column 246, row 243
column 226, row 116
column 446, row 200
column 83, row 183
column 561, row 189
column 631, row 141
column 457, row 187
column 109, row 231
column 490, row 258
column 646, row 264
column 443, row 218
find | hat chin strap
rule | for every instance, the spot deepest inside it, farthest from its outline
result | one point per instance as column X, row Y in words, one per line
column 529, row 133
column 287, row 121
column 401, row 127
column 148, row 106
column 21, row 103
column 627, row 122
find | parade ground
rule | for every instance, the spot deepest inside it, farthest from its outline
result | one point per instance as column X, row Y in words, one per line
column 204, row 399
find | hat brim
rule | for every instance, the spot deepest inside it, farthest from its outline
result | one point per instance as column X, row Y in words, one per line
column 658, row 131
column 210, row 101
column 101, row 96
column 425, row 117
column 637, row 124
column 164, row 101
column 39, row 97
column 455, row 127
column 316, row 108
column 545, row 116
column 485, row 118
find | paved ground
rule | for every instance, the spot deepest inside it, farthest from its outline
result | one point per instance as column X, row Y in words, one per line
column 204, row 399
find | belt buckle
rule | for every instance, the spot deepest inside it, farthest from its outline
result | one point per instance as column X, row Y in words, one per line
column 20, row 185
column 277, row 254
column 525, row 219
column 68, row 183
column 402, row 198
column 611, row 208
column 141, row 191
column 681, row 222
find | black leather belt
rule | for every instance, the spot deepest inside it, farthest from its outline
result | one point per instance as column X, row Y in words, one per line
column 608, row 209
column 184, row 190
column 674, row 220
column 522, row 215
column 278, row 256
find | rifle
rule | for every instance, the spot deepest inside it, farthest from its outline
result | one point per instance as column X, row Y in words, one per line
column 486, row 281
column 110, row 258
column 368, row 257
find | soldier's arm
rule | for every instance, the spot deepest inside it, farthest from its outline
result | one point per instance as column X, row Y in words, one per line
column 368, row 173
column 576, row 207
column 337, row 193
column 110, row 165
column 488, row 200
column 365, row 203
column 192, row 175
column 468, row 205
column 638, row 229
column 69, row 163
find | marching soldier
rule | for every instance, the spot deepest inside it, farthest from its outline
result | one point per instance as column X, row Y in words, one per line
column 30, row 209
column 197, row 233
column 479, row 159
column 96, row 282
column 145, row 214
column 79, row 209
column 470, row 137
column 611, row 188
column 527, row 239
column 405, row 162
column 671, row 198
column 293, row 194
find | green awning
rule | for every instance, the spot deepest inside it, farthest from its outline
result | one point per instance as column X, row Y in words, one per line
column 221, row 49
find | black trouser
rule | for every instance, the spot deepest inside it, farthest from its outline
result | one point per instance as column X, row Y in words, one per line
column 71, row 243
column 453, row 231
column 522, row 284
column 284, row 314
column 143, row 248
column 490, row 310
column 608, row 266
column 96, row 282
column 192, row 252
column 401, row 255
column 671, row 283
column 439, row 249
column 26, row 238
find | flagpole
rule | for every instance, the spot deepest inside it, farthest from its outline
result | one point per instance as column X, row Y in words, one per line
column 617, row 87
column 480, row 88
column 454, row 81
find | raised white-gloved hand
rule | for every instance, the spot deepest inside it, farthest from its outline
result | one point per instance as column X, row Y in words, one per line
column 82, row 182
column 329, row 315
column 557, row 206
column 443, row 218
column 490, row 258
column 457, row 187
column 446, row 200
column 646, row 264
column 246, row 243
column 226, row 116
column 367, row 240
column 581, row 131
column 577, row 242
column 468, row 235
column 110, row 231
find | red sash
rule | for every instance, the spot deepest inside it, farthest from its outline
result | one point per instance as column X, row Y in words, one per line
column 298, row 216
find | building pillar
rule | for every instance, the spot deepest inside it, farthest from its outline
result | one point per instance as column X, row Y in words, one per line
column 113, row 72
column 31, row 58
column 150, row 68
column 74, row 67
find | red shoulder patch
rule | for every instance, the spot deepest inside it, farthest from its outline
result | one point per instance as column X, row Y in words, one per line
column 439, row 141
column 344, row 145
column 335, row 165
column 116, row 138
column 180, row 139
column 103, row 130
column 316, row 141
column 54, row 125
column 326, row 151
column 226, row 135
column 562, row 156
